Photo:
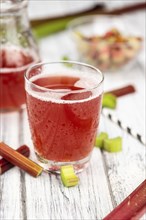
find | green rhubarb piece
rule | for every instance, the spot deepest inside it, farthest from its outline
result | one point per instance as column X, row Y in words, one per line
column 68, row 176
column 113, row 144
column 109, row 101
column 100, row 138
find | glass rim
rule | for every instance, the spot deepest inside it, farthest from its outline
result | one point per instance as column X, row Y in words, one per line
column 33, row 66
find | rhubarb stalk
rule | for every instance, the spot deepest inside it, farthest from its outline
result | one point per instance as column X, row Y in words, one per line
column 19, row 160
column 122, row 91
column 133, row 207
column 6, row 165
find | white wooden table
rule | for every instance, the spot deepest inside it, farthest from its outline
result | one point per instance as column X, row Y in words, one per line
column 110, row 177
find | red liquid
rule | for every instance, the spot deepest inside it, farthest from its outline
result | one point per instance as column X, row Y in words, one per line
column 13, row 64
column 63, row 131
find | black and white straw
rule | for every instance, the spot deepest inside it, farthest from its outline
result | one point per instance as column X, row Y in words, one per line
column 129, row 130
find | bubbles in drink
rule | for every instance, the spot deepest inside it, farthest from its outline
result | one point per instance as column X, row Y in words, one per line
column 63, row 115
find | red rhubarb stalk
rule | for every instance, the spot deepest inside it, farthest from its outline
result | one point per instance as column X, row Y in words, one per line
column 6, row 165
column 133, row 207
column 19, row 160
column 122, row 91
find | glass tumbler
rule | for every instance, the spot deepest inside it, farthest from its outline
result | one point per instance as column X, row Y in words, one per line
column 63, row 104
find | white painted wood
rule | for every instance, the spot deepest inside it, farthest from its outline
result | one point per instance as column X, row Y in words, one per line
column 110, row 177
column 10, row 182
column 126, row 170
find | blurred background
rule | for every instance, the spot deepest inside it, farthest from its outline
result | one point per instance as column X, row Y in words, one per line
column 50, row 17
column 50, row 8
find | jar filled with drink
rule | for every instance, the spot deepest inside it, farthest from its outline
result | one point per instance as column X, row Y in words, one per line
column 18, row 51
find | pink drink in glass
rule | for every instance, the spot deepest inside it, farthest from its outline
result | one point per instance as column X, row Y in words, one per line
column 63, row 117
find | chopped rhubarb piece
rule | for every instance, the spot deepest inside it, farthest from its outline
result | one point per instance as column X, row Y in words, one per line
column 109, row 101
column 100, row 139
column 68, row 176
column 113, row 145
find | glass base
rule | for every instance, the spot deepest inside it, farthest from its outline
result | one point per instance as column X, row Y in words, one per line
column 54, row 167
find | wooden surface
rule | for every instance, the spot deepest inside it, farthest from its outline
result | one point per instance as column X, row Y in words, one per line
column 110, row 177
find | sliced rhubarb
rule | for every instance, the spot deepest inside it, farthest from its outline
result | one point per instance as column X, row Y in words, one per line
column 68, row 176
column 109, row 101
column 113, row 145
column 100, row 139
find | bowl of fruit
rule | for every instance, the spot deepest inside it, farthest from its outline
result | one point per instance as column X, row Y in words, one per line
column 107, row 42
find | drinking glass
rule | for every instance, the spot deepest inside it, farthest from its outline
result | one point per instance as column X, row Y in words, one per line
column 63, row 104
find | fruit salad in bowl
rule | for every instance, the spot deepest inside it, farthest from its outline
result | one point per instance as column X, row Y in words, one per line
column 107, row 47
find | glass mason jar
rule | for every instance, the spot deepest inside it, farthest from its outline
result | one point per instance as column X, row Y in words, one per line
column 18, row 50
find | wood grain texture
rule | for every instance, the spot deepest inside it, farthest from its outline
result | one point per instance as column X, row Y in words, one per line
column 10, row 182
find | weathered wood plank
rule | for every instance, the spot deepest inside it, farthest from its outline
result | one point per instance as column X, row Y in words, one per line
column 126, row 170
column 10, row 182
